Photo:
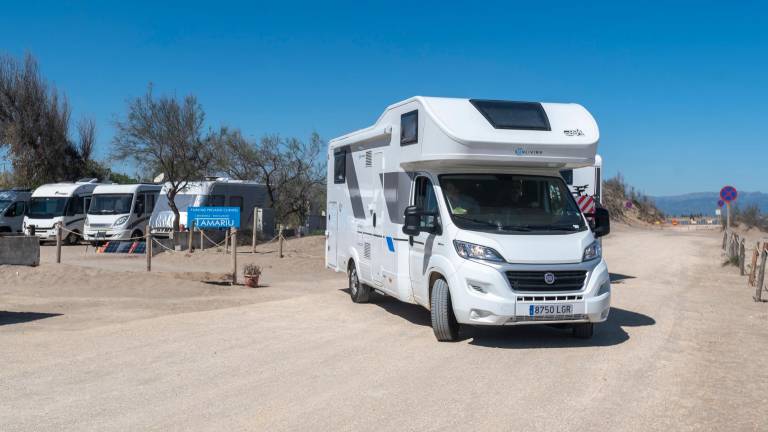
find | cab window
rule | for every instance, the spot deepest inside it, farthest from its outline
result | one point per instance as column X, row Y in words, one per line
column 425, row 199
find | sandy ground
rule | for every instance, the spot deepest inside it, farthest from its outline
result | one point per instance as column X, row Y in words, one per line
column 97, row 344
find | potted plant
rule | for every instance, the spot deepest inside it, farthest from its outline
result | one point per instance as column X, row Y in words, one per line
column 251, row 272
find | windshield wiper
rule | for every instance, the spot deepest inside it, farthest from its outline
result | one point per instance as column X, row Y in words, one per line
column 477, row 221
column 523, row 228
column 553, row 227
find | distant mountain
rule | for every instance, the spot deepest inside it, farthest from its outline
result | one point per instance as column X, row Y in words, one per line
column 706, row 202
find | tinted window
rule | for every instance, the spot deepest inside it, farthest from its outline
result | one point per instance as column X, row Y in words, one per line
column 424, row 198
column 47, row 207
column 409, row 128
column 513, row 115
column 110, row 204
column 236, row 201
column 138, row 208
column 340, row 166
column 215, row 201
column 151, row 202
column 76, row 206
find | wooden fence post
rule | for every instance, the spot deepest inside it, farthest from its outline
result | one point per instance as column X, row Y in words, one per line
column 253, row 240
column 753, row 267
column 280, row 239
column 226, row 242
column 202, row 240
column 725, row 238
column 58, row 243
column 148, row 247
column 190, row 246
column 234, row 255
column 742, row 258
column 761, row 277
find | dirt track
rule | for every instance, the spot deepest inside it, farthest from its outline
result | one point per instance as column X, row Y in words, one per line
column 685, row 348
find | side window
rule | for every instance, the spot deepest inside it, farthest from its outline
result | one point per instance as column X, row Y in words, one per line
column 151, row 198
column 86, row 204
column 236, row 201
column 17, row 209
column 426, row 200
column 139, row 207
column 215, row 201
column 409, row 128
column 567, row 176
column 75, row 205
column 340, row 166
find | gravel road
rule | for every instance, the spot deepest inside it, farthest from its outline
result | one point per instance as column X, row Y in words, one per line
column 685, row 348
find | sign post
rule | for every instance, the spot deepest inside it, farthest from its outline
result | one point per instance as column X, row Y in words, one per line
column 728, row 194
column 217, row 218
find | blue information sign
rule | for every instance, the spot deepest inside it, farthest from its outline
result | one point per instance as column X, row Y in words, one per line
column 214, row 217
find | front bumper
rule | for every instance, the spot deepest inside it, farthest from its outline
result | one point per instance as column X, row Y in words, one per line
column 104, row 234
column 482, row 295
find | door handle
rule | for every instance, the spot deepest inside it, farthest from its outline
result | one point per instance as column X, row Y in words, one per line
column 374, row 220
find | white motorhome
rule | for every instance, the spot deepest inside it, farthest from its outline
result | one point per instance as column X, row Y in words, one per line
column 64, row 203
column 586, row 185
column 13, row 207
column 212, row 192
column 458, row 205
column 120, row 212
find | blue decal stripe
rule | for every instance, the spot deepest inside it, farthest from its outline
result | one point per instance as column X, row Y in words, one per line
column 390, row 244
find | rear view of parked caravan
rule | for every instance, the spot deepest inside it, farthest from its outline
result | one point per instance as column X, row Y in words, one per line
column 13, row 207
column 586, row 185
column 459, row 205
column 120, row 212
column 64, row 203
column 214, row 192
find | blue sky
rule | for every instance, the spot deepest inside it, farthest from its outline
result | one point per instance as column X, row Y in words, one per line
column 679, row 89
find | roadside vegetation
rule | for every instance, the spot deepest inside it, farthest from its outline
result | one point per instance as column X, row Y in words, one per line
column 625, row 202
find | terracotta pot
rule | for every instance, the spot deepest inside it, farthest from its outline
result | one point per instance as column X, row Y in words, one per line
column 251, row 281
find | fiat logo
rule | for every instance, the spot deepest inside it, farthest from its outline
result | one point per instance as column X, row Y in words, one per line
column 549, row 278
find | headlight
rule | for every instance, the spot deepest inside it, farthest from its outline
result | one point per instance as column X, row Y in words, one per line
column 592, row 251
column 473, row 251
column 121, row 220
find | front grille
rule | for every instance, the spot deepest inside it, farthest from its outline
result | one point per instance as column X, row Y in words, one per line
column 579, row 317
column 100, row 225
column 534, row 281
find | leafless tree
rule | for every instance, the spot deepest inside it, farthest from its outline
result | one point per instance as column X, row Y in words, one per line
column 291, row 170
column 86, row 130
column 34, row 125
column 165, row 135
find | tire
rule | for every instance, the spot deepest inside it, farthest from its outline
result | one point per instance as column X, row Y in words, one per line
column 360, row 292
column 444, row 322
column 136, row 234
column 584, row 330
column 72, row 238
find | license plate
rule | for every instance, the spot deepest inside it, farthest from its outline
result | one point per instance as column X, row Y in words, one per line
column 550, row 309
column 101, row 234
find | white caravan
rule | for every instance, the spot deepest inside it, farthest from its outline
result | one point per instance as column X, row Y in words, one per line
column 213, row 192
column 458, row 205
column 120, row 212
column 13, row 207
column 586, row 185
column 63, row 203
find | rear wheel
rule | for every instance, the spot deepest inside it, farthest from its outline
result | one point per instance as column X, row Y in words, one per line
column 584, row 330
column 359, row 292
column 444, row 322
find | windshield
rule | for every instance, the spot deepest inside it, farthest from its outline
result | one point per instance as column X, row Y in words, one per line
column 182, row 201
column 110, row 204
column 46, row 207
column 511, row 203
column 4, row 204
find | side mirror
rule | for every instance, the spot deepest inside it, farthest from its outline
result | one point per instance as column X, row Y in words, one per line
column 412, row 221
column 602, row 222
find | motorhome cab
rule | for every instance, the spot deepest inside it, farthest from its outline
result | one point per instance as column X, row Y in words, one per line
column 120, row 212
column 13, row 207
column 458, row 205
column 63, row 203
column 212, row 192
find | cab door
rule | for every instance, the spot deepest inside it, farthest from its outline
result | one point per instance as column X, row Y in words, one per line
column 14, row 216
column 421, row 246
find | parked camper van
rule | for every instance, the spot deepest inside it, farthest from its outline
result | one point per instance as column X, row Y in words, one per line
column 13, row 207
column 458, row 205
column 212, row 192
column 120, row 212
column 586, row 185
column 59, row 202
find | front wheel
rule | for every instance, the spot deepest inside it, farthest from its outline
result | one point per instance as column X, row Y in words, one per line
column 444, row 322
column 73, row 238
column 359, row 292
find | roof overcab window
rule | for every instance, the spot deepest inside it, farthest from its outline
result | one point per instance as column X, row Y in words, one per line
column 513, row 115
column 409, row 128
